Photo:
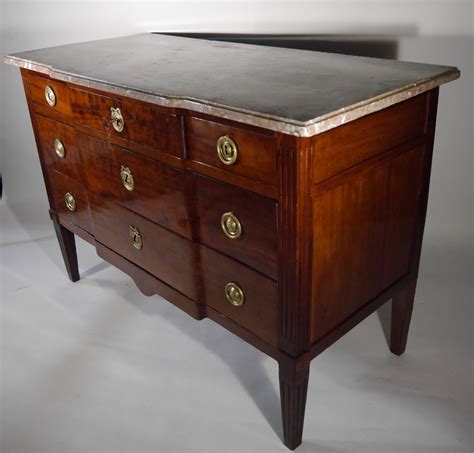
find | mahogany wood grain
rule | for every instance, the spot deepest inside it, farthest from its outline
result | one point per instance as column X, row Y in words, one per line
column 295, row 238
column 159, row 192
column 257, row 245
column 349, row 323
column 67, row 244
column 31, row 109
column 430, row 127
column 37, row 85
column 332, row 224
column 259, row 313
column 293, row 393
column 144, row 125
column 62, row 184
column 402, row 308
column 364, row 229
column 357, row 141
column 257, row 153
column 195, row 271
column 78, row 231
column 148, row 284
column 233, row 179
column 50, row 130
column 164, row 254
column 161, row 195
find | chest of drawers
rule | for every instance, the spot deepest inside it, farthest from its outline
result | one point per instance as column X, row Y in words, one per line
column 281, row 193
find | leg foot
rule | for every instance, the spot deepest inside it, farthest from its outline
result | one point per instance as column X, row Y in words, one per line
column 293, row 391
column 402, row 308
column 67, row 245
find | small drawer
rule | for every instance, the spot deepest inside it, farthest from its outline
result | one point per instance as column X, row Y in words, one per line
column 58, row 147
column 233, row 150
column 151, row 189
column 138, row 123
column 163, row 254
column 51, row 94
column 241, row 294
column 70, row 200
column 238, row 223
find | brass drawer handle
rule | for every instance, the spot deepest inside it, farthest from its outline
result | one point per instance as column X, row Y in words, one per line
column 234, row 294
column 136, row 237
column 118, row 122
column 59, row 149
column 50, row 96
column 127, row 178
column 70, row 201
column 227, row 150
column 231, row 225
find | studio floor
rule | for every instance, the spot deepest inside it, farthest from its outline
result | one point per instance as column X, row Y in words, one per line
column 96, row 367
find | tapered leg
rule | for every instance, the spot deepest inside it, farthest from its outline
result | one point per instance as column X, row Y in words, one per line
column 67, row 244
column 402, row 308
column 293, row 391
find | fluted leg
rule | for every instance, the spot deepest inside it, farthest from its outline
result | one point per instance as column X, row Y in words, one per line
column 293, row 391
column 67, row 245
column 402, row 308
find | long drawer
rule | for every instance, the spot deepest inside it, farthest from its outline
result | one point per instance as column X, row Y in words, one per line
column 204, row 275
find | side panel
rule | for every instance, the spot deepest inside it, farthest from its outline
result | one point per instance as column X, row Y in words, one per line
column 365, row 232
column 368, row 219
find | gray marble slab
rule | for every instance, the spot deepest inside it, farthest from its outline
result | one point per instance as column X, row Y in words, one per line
column 292, row 91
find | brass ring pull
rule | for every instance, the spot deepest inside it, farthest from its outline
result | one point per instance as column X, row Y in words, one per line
column 136, row 237
column 227, row 150
column 231, row 225
column 59, row 149
column 118, row 122
column 50, row 96
column 70, row 201
column 234, row 294
column 127, row 178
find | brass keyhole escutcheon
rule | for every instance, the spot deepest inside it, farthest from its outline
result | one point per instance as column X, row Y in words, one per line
column 136, row 237
column 231, row 225
column 50, row 96
column 59, row 149
column 117, row 120
column 227, row 150
column 234, row 294
column 70, row 201
column 127, row 178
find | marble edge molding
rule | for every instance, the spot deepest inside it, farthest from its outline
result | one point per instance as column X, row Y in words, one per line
column 279, row 124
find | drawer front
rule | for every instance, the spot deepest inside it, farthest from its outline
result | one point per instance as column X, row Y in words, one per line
column 139, row 123
column 58, row 147
column 167, row 256
column 194, row 270
column 258, row 312
column 147, row 187
column 238, row 223
column 58, row 94
column 256, row 156
column 73, row 208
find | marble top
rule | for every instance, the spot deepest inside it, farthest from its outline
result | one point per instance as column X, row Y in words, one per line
column 297, row 92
